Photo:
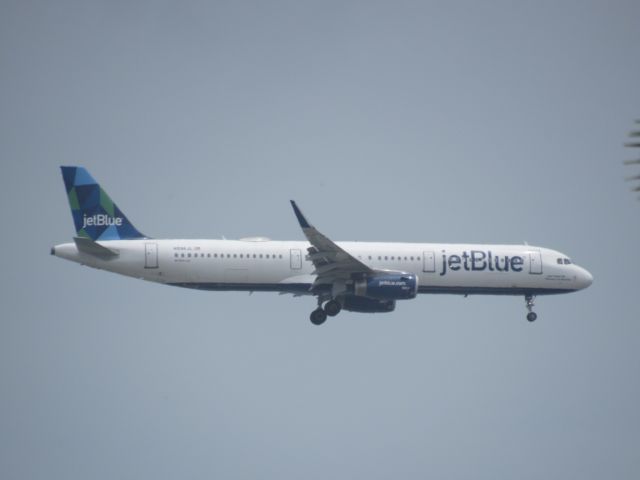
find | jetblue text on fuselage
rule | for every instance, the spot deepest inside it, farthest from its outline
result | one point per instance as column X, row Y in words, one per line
column 101, row 220
column 479, row 261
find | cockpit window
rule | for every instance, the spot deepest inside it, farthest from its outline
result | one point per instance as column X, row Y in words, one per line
column 567, row 261
column 559, row 261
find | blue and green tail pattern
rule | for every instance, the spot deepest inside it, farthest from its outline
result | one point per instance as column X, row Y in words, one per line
column 94, row 214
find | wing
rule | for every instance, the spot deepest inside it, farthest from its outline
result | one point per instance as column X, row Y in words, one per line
column 332, row 263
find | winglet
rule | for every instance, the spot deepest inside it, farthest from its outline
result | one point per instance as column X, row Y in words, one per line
column 303, row 221
column 330, row 260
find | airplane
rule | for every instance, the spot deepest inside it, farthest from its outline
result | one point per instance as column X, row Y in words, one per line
column 353, row 276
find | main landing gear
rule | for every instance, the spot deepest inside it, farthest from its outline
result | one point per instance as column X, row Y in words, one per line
column 531, row 316
column 331, row 309
column 318, row 316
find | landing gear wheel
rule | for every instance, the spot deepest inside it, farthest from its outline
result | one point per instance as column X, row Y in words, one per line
column 332, row 308
column 531, row 316
column 318, row 316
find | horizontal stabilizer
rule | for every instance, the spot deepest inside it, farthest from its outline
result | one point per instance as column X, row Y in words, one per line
column 88, row 246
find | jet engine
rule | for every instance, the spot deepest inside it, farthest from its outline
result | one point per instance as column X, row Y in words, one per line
column 367, row 305
column 387, row 286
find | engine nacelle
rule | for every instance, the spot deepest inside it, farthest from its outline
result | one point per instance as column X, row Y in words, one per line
column 387, row 286
column 367, row 305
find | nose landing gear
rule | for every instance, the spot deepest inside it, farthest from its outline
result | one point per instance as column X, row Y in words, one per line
column 531, row 316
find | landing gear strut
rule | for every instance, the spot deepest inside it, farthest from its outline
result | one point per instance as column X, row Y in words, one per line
column 531, row 316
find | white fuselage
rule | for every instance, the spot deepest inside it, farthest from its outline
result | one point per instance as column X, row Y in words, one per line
column 282, row 266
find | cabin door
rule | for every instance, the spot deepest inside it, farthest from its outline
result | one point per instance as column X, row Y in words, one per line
column 296, row 259
column 150, row 255
column 428, row 262
column 535, row 262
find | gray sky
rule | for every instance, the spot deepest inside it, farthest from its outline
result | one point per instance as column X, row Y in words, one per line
column 390, row 121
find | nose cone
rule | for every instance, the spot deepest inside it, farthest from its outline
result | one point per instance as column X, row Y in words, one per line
column 583, row 278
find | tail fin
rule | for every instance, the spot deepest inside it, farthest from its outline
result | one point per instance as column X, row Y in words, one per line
column 94, row 214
